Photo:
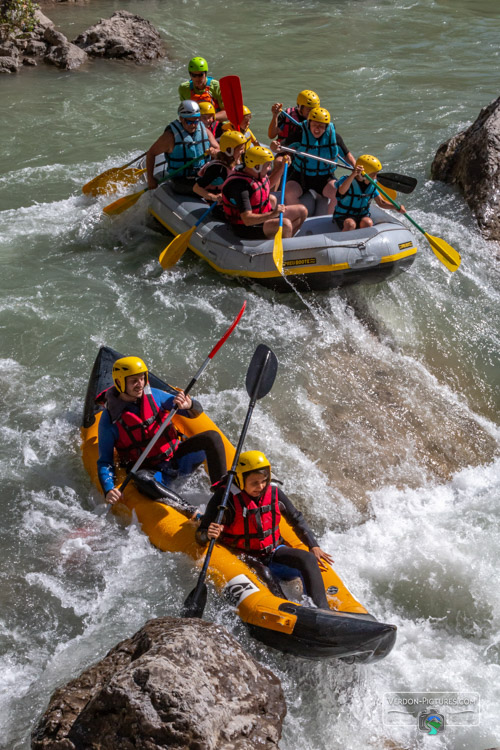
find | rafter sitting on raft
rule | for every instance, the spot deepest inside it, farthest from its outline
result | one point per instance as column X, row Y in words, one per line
column 355, row 193
column 319, row 138
column 251, row 525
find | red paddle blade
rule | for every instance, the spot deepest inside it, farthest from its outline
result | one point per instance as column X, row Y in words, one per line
column 228, row 332
column 230, row 88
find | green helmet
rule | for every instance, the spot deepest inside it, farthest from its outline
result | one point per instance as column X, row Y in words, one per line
column 198, row 65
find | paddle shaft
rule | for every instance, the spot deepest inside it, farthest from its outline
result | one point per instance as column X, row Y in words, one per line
column 283, row 148
column 232, row 473
column 173, row 411
column 283, row 186
column 133, row 160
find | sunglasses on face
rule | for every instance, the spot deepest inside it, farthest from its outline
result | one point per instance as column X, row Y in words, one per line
column 189, row 121
column 197, row 75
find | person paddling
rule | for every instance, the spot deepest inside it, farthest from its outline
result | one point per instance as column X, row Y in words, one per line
column 184, row 140
column 134, row 413
column 247, row 201
column 281, row 128
column 355, row 193
column 251, row 525
column 202, row 88
column 319, row 138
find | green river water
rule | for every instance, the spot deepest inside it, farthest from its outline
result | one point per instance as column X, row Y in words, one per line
column 383, row 421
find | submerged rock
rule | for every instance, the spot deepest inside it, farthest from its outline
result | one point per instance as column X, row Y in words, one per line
column 471, row 160
column 175, row 683
column 124, row 35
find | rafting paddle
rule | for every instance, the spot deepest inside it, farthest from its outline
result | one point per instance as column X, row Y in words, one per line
column 260, row 377
column 444, row 252
column 278, row 237
column 100, row 184
column 122, row 204
column 400, row 182
column 176, row 249
column 173, row 411
column 230, row 88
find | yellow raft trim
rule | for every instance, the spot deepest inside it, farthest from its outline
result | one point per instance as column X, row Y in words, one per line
column 398, row 256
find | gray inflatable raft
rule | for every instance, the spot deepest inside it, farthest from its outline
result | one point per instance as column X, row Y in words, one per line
column 318, row 257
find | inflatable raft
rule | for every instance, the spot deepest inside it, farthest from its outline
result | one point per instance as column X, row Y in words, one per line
column 318, row 257
column 347, row 631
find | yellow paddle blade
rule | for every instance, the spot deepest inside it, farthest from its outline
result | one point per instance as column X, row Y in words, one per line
column 391, row 193
column 117, row 207
column 446, row 253
column 176, row 249
column 110, row 180
column 278, row 250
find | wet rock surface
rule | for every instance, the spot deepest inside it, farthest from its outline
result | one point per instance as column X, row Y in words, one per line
column 125, row 36
column 175, row 683
column 471, row 160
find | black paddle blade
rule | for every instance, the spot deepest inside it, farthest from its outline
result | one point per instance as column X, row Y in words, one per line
column 401, row 183
column 194, row 606
column 261, row 372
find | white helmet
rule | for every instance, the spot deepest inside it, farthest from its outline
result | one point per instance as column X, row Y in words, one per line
column 189, row 109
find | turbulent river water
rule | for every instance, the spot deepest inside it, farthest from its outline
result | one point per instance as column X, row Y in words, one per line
column 383, row 420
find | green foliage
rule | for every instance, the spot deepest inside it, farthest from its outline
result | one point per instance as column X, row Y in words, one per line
column 18, row 14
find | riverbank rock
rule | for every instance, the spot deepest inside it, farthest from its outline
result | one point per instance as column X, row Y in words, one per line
column 42, row 43
column 471, row 160
column 124, row 35
column 175, row 683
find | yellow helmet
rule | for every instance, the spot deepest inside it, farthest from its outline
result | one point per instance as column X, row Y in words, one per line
column 250, row 461
column 319, row 114
column 369, row 163
column 308, row 98
column 256, row 156
column 124, row 367
column 207, row 108
column 229, row 140
column 246, row 110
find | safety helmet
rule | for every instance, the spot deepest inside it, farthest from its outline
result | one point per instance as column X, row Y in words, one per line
column 207, row 108
column 198, row 65
column 256, row 156
column 308, row 98
column 125, row 367
column 229, row 140
column 189, row 109
column 319, row 114
column 246, row 110
column 250, row 461
column 369, row 163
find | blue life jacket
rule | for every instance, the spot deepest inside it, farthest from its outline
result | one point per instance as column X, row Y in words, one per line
column 187, row 147
column 326, row 146
column 356, row 201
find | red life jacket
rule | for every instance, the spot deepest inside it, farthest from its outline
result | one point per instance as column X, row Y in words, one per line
column 256, row 524
column 259, row 191
column 289, row 131
column 135, row 432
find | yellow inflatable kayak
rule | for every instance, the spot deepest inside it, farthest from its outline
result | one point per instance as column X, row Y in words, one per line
column 347, row 631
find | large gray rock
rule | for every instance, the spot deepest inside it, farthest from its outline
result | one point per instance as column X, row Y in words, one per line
column 124, row 35
column 176, row 683
column 471, row 160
